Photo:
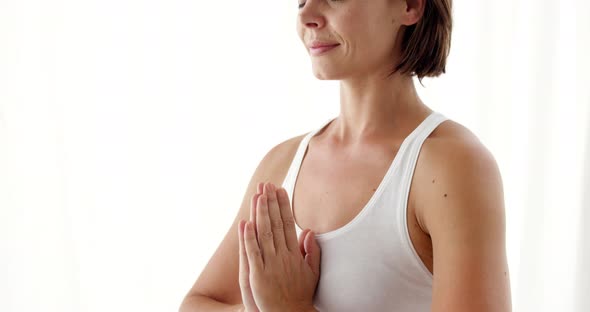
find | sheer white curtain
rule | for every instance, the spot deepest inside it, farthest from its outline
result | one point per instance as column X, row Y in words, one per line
column 130, row 129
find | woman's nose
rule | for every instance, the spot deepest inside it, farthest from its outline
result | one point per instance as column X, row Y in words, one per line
column 310, row 14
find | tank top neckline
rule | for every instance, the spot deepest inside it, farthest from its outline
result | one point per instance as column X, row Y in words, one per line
column 371, row 202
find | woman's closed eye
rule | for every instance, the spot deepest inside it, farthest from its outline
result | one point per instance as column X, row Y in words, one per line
column 301, row 5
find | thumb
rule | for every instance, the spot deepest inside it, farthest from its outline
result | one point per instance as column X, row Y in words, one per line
column 313, row 253
column 301, row 240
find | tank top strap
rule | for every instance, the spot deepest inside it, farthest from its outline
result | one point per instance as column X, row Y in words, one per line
column 426, row 128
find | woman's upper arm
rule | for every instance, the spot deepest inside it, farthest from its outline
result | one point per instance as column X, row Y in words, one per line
column 465, row 217
column 219, row 278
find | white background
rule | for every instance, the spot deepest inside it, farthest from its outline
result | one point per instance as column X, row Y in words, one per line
column 130, row 129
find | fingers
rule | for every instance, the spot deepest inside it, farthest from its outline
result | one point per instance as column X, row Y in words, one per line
column 244, row 270
column 313, row 253
column 288, row 219
column 253, row 252
column 244, row 274
column 273, row 219
column 301, row 240
column 253, row 205
column 265, row 234
column 276, row 221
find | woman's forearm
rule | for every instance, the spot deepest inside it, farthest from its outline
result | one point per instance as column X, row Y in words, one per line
column 196, row 303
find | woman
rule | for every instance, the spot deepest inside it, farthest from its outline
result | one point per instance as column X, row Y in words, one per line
column 387, row 191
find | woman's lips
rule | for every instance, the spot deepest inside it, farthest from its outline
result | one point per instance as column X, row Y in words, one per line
column 321, row 49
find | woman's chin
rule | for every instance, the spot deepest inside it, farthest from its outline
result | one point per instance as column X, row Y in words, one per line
column 325, row 74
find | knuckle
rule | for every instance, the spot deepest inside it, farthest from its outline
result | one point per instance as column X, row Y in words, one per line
column 277, row 224
column 290, row 222
column 266, row 235
column 256, row 253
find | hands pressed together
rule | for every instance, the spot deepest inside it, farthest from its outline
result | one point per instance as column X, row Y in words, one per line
column 278, row 272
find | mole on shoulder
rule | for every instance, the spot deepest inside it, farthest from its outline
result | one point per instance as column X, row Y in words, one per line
column 445, row 195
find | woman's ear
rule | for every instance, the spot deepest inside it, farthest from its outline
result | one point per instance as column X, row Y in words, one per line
column 413, row 11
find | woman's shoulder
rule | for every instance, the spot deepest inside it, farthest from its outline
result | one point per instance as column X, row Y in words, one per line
column 286, row 149
column 453, row 153
column 449, row 142
column 277, row 160
column 454, row 166
column 451, row 130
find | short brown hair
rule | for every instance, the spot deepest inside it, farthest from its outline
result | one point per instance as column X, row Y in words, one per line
column 426, row 44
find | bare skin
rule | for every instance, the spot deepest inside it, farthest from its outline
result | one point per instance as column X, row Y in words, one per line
column 219, row 279
column 455, row 206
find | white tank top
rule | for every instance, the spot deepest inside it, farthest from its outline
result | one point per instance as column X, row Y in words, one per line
column 370, row 264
